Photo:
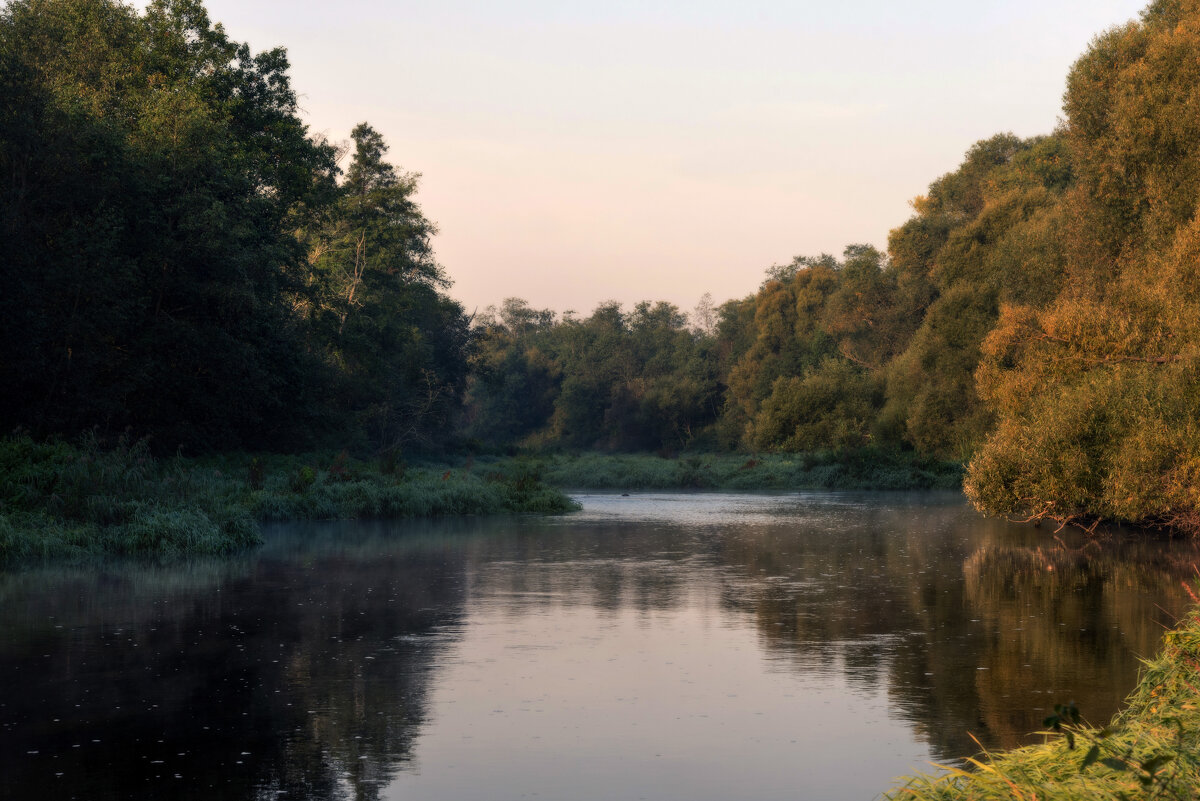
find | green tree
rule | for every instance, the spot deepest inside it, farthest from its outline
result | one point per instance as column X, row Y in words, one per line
column 155, row 169
column 514, row 381
column 831, row 407
column 789, row 339
column 398, row 344
column 1096, row 391
column 987, row 234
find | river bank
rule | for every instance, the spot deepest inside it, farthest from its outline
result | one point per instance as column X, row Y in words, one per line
column 60, row 501
column 867, row 469
column 63, row 500
column 1151, row 749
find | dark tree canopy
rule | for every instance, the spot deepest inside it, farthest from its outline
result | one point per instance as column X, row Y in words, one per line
column 158, row 201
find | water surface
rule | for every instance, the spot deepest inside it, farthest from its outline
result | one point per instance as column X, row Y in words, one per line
column 671, row 646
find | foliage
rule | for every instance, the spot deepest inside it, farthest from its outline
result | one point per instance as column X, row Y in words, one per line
column 181, row 260
column 155, row 165
column 1149, row 750
column 617, row 380
column 776, row 371
column 57, row 500
column 831, row 407
column 859, row 469
column 984, row 235
column 1037, row 316
column 162, row 222
column 399, row 346
column 1096, row 391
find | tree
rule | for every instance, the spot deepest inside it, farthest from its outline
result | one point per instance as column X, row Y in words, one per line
column 986, row 234
column 514, row 381
column 148, row 250
column 1096, row 391
column 399, row 346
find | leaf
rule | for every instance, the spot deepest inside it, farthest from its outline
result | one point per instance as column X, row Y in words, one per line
column 1093, row 754
column 1112, row 763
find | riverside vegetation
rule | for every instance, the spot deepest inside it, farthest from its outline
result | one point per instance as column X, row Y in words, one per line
column 60, row 501
column 1035, row 319
column 1150, row 750
column 181, row 259
column 858, row 469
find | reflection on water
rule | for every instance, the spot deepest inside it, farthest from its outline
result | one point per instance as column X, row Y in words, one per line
column 659, row 646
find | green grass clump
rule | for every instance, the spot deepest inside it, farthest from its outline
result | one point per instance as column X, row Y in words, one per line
column 61, row 500
column 856, row 470
column 1149, row 750
column 421, row 493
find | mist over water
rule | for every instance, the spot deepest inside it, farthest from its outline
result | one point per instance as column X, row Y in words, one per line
column 669, row 646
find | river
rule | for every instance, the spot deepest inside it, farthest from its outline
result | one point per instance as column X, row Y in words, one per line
column 656, row 646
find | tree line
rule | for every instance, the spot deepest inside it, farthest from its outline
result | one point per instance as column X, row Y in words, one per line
column 180, row 257
column 1037, row 318
column 869, row 349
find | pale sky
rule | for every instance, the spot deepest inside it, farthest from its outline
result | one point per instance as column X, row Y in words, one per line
column 573, row 153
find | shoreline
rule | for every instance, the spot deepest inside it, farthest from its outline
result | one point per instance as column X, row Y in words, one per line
column 1150, row 749
column 60, row 501
column 867, row 469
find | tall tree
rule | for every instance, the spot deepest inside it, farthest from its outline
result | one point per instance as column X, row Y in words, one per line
column 986, row 234
column 153, row 170
column 1096, row 392
column 398, row 343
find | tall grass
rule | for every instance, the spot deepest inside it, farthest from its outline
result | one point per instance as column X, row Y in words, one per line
column 1149, row 750
column 61, row 500
column 867, row 469
column 58, row 499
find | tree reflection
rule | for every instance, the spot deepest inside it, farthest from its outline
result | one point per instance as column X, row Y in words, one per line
column 250, row 682
column 305, row 671
column 978, row 634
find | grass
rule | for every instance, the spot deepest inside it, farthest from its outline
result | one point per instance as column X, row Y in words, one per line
column 1151, row 750
column 867, row 469
column 63, row 500
column 60, row 500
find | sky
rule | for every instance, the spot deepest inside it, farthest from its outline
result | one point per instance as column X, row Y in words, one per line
column 573, row 153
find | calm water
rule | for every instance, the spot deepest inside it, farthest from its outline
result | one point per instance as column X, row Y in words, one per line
column 810, row 646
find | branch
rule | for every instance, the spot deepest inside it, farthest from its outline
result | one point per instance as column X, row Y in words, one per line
column 844, row 349
column 1110, row 359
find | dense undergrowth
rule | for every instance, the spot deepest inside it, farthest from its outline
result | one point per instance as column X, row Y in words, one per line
column 863, row 469
column 1149, row 750
column 61, row 500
